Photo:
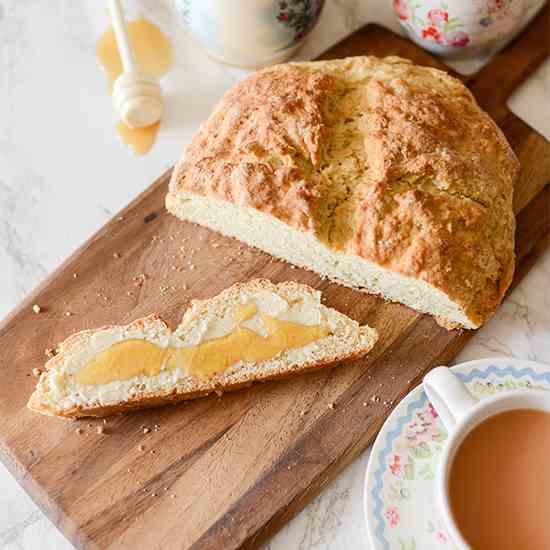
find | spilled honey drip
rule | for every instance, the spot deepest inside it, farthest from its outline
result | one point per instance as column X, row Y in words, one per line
column 153, row 55
column 139, row 139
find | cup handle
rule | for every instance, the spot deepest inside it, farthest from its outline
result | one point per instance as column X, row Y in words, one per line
column 449, row 396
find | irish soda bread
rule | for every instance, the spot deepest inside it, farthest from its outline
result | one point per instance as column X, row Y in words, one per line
column 250, row 332
column 376, row 173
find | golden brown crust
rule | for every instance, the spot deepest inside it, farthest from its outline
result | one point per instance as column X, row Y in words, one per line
column 382, row 159
column 274, row 114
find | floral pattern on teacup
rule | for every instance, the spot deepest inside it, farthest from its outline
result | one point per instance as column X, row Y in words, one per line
column 435, row 25
column 299, row 15
column 455, row 25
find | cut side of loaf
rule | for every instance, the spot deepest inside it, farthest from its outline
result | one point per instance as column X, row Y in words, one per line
column 381, row 175
column 250, row 332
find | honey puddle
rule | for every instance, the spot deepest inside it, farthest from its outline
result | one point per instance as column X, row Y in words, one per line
column 153, row 55
column 140, row 140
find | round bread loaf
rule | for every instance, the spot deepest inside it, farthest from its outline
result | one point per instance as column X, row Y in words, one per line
column 377, row 173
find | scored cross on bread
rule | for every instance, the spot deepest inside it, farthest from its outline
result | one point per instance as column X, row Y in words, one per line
column 250, row 332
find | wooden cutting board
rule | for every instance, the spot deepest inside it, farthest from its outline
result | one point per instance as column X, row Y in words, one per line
column 228, row 472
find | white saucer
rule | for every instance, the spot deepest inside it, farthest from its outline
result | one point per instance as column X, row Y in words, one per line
column 399, row 483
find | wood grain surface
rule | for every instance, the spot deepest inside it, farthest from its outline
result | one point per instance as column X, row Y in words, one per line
column 228, row 472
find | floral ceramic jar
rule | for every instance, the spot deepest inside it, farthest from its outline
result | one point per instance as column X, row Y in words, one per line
column 250, row 33
column 460, row 28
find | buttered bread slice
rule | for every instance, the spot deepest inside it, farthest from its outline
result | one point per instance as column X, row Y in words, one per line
column 376, row 173
column 250, row 332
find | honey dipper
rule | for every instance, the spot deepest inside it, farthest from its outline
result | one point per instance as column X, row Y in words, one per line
column 137, row 97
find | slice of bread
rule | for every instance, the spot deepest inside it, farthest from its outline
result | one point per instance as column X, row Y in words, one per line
column 381, row 175
column 65, row 388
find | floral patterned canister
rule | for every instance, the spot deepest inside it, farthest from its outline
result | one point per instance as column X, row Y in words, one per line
column 250, row 33
column 460, row 28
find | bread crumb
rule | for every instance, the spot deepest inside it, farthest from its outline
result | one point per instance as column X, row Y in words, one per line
column 146, row 430
column 100, row 430
column 152, row 451
column 75, row 275
column 365, row 403
column 141, row 448
column 68, row 314
column 36, row 308
column 36, row 372
column 375, row 399
column 153, row 494
column 116, row 255
column 331, row 405
column 50, row 352
column 139, row 279
column 172, row 495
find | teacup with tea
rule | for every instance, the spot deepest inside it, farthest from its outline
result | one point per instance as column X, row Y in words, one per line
column 493, row 483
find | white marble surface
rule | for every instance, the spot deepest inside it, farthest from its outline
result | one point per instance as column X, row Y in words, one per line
column 63, row 174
